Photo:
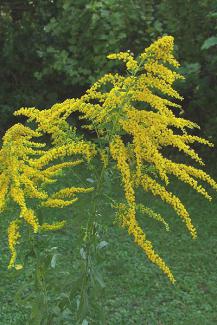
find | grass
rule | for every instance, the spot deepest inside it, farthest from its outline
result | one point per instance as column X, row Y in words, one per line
column 137, row 292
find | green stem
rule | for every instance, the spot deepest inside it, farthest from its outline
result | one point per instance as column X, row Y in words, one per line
column 40, row 283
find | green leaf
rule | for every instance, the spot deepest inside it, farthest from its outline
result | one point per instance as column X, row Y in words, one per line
column 212, row 15
column 209, row 42
column 99, row 279
column 75, row 287
column 53, row 261
column 83, row 306
column 83, row 253
column 102, row 244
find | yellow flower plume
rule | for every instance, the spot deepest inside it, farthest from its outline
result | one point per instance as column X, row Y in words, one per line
column 26, row 167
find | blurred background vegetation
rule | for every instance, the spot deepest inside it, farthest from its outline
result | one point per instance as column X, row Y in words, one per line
column 52, row 50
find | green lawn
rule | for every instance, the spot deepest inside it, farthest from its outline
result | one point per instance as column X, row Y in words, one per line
column 137, row 292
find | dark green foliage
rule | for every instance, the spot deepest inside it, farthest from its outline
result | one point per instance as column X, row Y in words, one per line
column 193, row 24
column 20, row 34
column 83, row 32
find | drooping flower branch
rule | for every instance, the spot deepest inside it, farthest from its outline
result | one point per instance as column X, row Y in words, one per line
column 26, row 167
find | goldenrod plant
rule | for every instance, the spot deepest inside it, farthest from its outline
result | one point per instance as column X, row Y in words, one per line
column 134, row 117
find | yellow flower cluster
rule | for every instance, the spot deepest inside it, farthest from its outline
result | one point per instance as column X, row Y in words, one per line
column 104, row 157
column 134, row 117
column 131, row 63
column 54, row 226
column 24, row 172
column 13, row 236
column 161, row 50
column 150, row 213
column 128, row 218
column 49, row 121
column 66, row 150
column 119, row 153
column 57, row 199
column 152, row 185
